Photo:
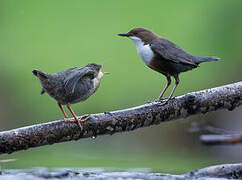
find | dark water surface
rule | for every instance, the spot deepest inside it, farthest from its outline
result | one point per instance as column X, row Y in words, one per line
column 86, row 174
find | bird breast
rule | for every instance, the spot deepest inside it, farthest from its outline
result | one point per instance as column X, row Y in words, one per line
column 144, row 50
column 96, row 83
column 97, row 80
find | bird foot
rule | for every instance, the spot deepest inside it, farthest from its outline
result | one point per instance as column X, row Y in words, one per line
column 163, row 101
column 172, row 98
column 157, row 100
column 78, row 121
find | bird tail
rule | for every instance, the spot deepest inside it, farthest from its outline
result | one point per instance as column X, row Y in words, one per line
column 40, row 74
column 201, row 59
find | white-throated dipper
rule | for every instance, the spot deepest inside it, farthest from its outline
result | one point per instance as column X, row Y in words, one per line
column 164, row 56
column 71, row 86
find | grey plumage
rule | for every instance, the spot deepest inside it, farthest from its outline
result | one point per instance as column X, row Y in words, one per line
column 171, row 52
column 69, row 86
column 174, row 59
column 168, row 50
column 200, row 59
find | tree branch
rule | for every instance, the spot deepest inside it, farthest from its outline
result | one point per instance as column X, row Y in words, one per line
column 224, row 97
column 218, row 139
column 219, row 136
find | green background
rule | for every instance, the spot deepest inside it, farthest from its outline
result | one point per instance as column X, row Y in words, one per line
column 59, row 34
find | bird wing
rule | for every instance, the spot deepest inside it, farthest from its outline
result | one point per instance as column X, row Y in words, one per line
column 73, row 77
column 171, row 51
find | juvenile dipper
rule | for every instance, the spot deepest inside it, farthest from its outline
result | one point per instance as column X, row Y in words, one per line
column 164, row 56
column 71, row 86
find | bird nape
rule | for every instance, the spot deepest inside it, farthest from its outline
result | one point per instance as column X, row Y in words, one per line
column 71, row 86
column 164, row 56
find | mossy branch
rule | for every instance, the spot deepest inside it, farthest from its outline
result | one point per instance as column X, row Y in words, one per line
column 223, row 97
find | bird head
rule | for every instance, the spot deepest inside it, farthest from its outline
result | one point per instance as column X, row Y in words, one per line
column 96, row 68
column 140, row 35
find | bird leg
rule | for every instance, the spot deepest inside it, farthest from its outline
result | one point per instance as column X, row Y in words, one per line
column 65, row 115
column 164, row 90
column 76, row 120
column 174, row 88
column 172, row 92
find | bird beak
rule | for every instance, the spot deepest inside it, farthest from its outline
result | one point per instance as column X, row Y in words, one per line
column 106, row 73
column 124, row 34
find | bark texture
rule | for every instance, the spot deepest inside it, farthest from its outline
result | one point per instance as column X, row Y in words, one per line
column 224, row 97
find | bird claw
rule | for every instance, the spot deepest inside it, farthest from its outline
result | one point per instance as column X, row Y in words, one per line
column 78, row 121
column 163, row 101
column 65, row 118
column 82, row 120
column 159, row 100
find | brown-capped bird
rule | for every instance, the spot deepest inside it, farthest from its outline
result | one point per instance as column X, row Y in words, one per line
column 164, row 56
column 71, row 86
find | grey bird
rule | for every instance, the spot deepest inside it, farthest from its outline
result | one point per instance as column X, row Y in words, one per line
column 164, row 56
column 71, row 86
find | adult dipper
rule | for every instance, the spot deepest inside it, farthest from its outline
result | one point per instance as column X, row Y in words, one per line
column 164, row 56
column 71, row 86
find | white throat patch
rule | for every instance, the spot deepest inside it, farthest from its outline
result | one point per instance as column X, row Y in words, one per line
column 144, row 51
column 100, row 75
column 96, row 81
